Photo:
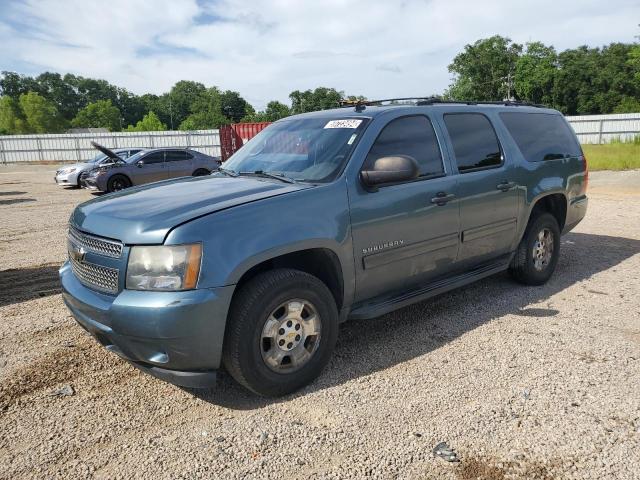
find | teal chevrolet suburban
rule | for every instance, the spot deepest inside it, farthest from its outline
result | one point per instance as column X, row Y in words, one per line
column 322, row 217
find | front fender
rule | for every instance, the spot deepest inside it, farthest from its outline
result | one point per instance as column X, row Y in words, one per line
column 238, row 238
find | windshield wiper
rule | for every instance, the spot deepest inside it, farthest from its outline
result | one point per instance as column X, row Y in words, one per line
column 277, row 176
column 229, row 173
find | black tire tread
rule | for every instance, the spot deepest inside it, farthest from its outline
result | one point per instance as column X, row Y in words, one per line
column 519, row 267
column 109, row 182
column 258, row 287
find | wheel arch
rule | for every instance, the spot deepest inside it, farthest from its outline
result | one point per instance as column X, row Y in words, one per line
column 321, row 262
column 555, row 203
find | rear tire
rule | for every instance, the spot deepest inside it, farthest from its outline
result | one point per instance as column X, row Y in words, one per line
column 117, row 183
column 280, row 314
column 538, row 252
column 201, row 172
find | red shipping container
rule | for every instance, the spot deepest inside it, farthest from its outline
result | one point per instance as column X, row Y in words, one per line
column 233, row 136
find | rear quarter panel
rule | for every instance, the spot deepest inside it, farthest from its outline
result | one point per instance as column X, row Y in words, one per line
column 535, row 180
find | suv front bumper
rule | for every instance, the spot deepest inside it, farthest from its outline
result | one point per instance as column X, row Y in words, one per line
column 175, row 336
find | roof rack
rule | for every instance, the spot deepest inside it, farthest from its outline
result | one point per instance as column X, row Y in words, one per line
column 360, row 105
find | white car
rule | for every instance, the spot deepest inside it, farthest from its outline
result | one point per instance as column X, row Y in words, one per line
column 69, row 175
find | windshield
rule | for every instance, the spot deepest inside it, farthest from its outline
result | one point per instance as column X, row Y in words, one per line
column 135, row 157
column 98, row 158
column 312, row 150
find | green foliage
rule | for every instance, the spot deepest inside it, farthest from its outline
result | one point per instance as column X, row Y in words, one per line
column 149, row 123
column 321, row 98
column 233, row 106
column 11, row 118
column 484, row 69
column 40, row 114
column 275, row 111
column 535, row 73
column 206, row 112
column 576, row 81
column 100, row 114
column 628, row 105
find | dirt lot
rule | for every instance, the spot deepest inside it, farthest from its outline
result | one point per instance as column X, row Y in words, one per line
column 523, row 382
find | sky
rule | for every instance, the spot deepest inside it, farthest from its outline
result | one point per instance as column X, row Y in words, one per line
column 265, row 49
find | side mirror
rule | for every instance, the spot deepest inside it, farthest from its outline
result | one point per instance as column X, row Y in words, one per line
column 399, row 168
column 140, row 163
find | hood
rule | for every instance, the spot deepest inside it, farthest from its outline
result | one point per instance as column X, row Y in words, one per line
column 108, row 152
column 146, row 214
column 77, row 166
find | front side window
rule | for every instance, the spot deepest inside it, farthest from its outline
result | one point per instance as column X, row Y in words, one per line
column 541, row 136
column 474, row 141
column 155, row 157
column 412, row 136
column 308, row 149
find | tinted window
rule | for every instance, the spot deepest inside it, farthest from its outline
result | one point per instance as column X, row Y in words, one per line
column 412, row 136
column 474, row 141
column 177, row 155
column 155, row 157
column 541, row 136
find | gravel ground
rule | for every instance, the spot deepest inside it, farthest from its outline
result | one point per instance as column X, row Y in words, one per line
column 522, row 382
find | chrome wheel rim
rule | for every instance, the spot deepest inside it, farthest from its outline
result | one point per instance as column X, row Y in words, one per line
column 543, row 249
column 290, row 336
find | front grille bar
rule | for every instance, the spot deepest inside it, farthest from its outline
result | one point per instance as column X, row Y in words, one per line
column 101, row 246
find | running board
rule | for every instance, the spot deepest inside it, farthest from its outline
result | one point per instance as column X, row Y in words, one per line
column 376, row 309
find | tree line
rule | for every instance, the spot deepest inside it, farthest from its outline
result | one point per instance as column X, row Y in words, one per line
column 578, row 81
column 575, row 81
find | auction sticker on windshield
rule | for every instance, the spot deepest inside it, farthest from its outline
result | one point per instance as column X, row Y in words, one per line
column 344, row 123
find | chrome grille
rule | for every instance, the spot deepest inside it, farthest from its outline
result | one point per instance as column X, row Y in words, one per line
column 101, row 246
column 96, row 276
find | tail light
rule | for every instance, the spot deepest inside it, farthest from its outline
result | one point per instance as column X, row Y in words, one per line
column 585, row 184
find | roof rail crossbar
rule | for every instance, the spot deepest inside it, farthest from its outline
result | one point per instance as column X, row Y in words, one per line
column 420, row 101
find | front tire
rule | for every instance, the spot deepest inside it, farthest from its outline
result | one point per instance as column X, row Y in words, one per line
column 282, row 329
column 538, row 252
column 201, row 172
column 117, row 183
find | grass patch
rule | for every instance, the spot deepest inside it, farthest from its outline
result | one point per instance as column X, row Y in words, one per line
column 613, row 156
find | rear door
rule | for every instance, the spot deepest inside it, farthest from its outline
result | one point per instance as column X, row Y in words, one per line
column 150, row 168
column 404, row 234
column 487, row 193
column 179, row 163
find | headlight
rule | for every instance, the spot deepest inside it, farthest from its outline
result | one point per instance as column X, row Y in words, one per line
column 168, row 268
column 68, row 170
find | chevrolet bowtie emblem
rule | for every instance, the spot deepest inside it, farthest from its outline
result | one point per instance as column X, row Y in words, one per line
column 77, row 253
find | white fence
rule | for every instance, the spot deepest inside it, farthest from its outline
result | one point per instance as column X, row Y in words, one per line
column 74, row 147
column 605, row 128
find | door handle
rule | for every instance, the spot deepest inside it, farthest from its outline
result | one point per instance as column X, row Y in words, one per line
column 442, row 198
column 506, row 186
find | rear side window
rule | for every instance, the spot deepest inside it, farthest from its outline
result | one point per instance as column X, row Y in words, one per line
column 541, row 136
column 474, row 140
column 413, row 136
column 177, row 155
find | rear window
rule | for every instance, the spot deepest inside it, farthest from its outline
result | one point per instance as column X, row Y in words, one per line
column 541, row 136
column 474, row 141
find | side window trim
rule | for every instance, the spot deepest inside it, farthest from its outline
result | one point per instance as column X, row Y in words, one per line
column 436, row 134
column 453, row 152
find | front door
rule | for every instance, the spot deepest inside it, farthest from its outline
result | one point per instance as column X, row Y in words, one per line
column 405, row 234
column 487, row 194
column 151, row 168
